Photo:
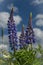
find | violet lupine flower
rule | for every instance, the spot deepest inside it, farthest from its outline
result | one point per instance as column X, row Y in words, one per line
column 12, row 31
column 29, row 35
column 22, row 38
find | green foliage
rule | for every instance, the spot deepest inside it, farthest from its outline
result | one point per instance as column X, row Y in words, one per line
column 22, row 57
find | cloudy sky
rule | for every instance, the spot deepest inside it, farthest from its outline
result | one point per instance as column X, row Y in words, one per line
column 22, row 8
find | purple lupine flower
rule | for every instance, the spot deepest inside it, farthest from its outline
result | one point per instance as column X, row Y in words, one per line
column 22, row 38
column 29, row 35
column 12, row 31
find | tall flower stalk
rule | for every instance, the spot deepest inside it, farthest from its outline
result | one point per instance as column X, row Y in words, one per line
column 2, row 33
column 22, row 38
column 29, row 35
column 12, row 31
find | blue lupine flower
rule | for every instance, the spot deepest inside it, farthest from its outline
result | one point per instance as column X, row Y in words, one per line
column 12, row 32
column 22, row 38
column 20, row 46
column 29, row 35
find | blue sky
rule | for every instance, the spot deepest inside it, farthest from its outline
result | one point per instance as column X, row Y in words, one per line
column 22, row 9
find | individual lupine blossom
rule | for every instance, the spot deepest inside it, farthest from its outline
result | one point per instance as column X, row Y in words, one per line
column 12, row 31
column 22, row 38
column 29, row 35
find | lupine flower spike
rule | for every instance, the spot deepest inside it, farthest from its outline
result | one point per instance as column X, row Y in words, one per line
column 22, row 38
column 12, row 31
column 29, row 32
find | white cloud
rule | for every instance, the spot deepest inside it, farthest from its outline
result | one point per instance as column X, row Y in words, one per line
column 14, row 7
column 39, row 20
column 39, row 35
column 4, row 18
column 5, row 39
column 37, row 2
column 18, row 34
column 5, row 44
column 17, row 19
column 39, row 16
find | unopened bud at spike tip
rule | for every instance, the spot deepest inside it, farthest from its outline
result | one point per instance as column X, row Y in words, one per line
column 30, row 14
column 23, row 25
column 12, row 10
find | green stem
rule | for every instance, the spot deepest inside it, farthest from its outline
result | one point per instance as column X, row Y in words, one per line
column 10, row 63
